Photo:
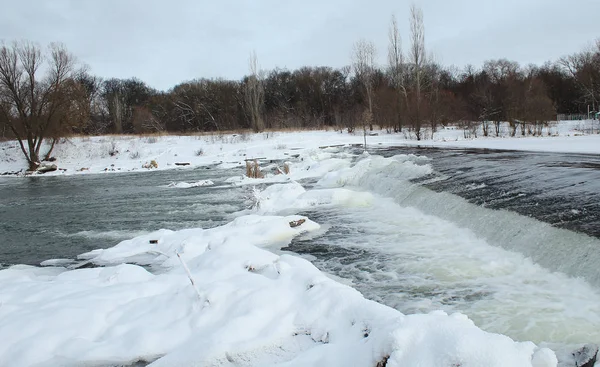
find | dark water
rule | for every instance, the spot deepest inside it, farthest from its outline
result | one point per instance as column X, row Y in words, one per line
column 60, row 217
column 560, row 189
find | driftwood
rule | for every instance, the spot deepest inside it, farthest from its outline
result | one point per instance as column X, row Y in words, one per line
column 182, row 164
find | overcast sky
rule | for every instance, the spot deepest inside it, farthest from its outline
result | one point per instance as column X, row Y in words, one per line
column 167, row 42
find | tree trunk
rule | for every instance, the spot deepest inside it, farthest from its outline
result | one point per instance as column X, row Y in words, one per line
column 47, row 156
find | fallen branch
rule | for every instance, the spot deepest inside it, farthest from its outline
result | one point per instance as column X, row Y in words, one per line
column 189, row 274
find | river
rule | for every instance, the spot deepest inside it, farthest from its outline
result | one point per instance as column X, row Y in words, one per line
column 508, row 238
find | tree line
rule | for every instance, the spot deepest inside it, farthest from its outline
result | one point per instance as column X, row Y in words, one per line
column 45, row 94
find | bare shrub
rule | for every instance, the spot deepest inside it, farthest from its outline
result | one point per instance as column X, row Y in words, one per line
column 134, row 155
column 253, row 170
column 112, row 150
column 151, row 139
column 281, row 147
column 199, row 152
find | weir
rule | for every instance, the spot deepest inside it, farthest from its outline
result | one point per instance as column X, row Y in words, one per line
column 575, row 254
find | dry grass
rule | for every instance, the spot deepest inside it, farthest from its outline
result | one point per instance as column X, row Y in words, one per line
column 152, row 164
column 253, row 169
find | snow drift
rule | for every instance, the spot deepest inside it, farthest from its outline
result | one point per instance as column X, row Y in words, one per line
column 253, row 308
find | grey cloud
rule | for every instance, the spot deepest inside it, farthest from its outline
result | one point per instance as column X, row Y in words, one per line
column 166, row 42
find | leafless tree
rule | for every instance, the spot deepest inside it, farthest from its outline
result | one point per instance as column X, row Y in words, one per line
column 255, row 94
column 396, row 69
column 363, row 63
column 29, row 103
column 418, row 60
column 584, row 67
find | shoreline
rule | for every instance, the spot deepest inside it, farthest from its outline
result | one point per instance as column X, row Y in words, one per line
column 132, row 153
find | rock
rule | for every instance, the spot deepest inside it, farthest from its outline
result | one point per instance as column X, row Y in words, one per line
column 586, row 355
column 182, row 164
column 383, row 362
column 296, row 223
column 11, row 173
column 153, row 241
column 47, row 168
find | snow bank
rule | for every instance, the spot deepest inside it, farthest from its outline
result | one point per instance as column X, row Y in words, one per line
column 131, row 153
column 253, row 308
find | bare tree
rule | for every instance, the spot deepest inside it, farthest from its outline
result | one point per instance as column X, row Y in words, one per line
column 363, row 63
column 418, row 59
column 255, row 94
column 396, row 69
column 584, row 67
column 30, row 104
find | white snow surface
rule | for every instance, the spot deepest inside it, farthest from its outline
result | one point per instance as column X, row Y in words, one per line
column 84, row 155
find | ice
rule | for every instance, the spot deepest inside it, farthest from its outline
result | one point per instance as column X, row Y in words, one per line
column 187, row 185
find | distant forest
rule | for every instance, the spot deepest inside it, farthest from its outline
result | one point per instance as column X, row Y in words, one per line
column 45, row 94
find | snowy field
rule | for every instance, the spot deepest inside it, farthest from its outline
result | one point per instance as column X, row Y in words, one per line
column 128, row 153
column 227, row 296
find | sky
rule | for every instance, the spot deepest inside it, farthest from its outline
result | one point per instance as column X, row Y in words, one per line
column 167, row 42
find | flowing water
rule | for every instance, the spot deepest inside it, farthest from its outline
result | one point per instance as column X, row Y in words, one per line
column 508, row 238
column 60, row 217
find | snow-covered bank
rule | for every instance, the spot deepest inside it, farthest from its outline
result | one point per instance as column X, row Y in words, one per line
column 131, row 153
column 252, row 308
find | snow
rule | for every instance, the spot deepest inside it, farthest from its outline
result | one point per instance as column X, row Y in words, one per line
column 228, row 296
column 186, row 185
column 256, row 308
column 85, row 155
